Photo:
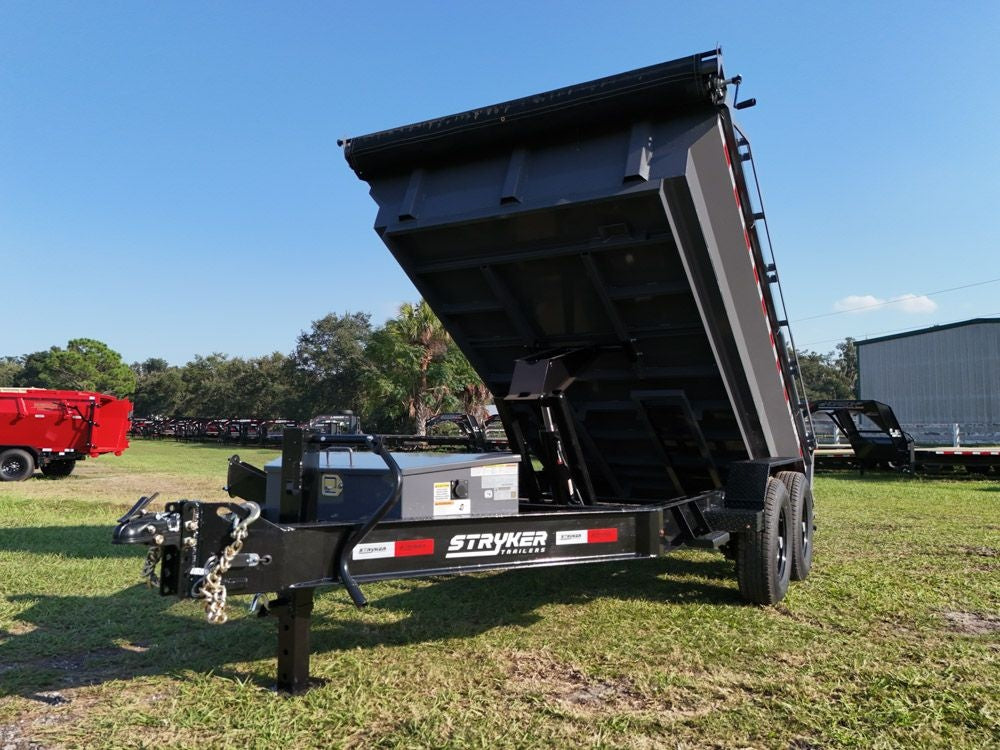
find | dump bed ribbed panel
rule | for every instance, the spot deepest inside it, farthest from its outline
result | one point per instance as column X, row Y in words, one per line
column 622, row 231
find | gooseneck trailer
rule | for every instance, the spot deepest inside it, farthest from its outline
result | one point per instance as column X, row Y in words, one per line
column 595, row 253
column 877, row 441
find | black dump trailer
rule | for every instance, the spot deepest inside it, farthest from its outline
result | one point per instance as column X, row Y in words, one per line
column 595, row 253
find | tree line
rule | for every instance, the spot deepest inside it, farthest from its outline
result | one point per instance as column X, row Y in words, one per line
column 394, row 376
column 831, row 375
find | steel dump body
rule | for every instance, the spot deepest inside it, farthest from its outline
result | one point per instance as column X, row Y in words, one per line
column 611, row 217
column 67, row 424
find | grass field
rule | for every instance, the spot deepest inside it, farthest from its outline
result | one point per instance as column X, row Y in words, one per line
column 894, row 641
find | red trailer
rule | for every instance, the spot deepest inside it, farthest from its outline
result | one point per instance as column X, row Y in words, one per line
column 52, row 430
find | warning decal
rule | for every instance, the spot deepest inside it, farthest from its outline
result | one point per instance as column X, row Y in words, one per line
column 446, row 505
column 499, row 481
column 495, row 469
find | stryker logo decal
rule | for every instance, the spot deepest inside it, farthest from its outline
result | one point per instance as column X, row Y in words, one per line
column 502, row 543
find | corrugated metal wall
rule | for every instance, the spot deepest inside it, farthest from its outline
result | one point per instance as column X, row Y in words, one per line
column 945, row 376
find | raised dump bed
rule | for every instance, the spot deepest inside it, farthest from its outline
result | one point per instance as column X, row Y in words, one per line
column 611, row 219
column 593, row 251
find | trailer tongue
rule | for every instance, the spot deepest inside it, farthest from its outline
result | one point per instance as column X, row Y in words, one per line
column 593, row 251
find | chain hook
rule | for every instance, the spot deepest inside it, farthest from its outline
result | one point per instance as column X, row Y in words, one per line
column 211, row 588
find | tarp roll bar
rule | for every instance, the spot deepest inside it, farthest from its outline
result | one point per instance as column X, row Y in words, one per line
column 667, row 87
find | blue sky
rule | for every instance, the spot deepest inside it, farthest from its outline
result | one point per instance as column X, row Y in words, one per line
column 170, row 181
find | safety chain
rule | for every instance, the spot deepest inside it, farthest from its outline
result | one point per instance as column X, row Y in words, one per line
column 149, row 565
column 211, row 589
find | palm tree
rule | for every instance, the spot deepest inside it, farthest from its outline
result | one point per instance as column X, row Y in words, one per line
column 418, row 346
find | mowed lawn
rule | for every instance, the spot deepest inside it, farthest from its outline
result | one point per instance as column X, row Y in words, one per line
column 892, row 642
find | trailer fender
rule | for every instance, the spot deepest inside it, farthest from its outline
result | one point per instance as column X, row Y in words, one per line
column 746, row 483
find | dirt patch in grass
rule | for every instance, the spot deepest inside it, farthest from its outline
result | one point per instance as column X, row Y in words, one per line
column 981, row 551
column 62, row 708
column 15, row 629
column 972, row 623
column 87, row 667
column 12, row 737
column 540, row 673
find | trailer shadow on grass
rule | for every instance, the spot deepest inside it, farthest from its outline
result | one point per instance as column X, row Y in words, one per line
column 477, row 604
column 63, row 642
column 81, row 542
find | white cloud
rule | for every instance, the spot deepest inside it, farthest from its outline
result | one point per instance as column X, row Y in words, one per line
column 857, row 303
column 913, row 304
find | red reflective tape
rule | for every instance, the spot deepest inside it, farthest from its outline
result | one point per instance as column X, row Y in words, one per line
column 725, row 150
column 414, row 547
column 746, row 238
column 602, row 535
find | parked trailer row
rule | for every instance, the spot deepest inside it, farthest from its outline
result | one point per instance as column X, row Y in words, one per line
column 447, row 428
column 237, row 431
column 594, row 252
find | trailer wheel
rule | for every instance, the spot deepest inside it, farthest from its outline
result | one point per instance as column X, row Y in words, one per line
column 15, row 465
column 59, row 469
column 764, row 558
column 803, row 523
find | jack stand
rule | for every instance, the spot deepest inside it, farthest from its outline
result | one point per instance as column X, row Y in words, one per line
column 294, row 611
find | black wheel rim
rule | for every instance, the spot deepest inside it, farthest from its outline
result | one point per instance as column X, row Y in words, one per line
column 11, row 467
column 781, row 554
column 806, row 527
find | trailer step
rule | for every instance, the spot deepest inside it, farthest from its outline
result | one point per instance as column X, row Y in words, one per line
column 711, row 540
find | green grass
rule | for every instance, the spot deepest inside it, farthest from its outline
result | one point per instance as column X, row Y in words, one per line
column 876, row 649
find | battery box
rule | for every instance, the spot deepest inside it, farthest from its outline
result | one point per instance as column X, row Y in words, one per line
column 350, row 485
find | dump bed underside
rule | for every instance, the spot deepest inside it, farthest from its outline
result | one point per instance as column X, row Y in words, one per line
column 626, row 234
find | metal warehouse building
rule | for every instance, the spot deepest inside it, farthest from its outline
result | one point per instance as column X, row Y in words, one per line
column 936, row 377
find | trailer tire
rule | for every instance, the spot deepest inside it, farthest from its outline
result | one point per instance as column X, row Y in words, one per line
column 803, row 522
column 16, row 465
column 763, row 558
column 59, row 469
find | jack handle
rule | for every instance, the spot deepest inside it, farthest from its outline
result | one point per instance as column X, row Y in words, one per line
column 377, row 446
